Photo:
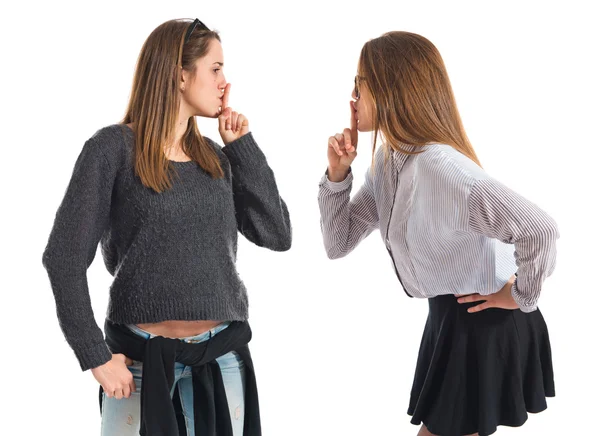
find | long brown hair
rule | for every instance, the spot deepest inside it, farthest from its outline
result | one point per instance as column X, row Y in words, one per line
column 413, row 100
column 154, row 103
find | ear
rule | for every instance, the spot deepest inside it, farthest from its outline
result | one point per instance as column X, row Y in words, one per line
column 184, row 79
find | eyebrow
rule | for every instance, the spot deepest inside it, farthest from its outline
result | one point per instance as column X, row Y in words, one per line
column 219, row 63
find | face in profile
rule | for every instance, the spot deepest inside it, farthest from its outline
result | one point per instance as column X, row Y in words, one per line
column 203, row 88
column 363, row 104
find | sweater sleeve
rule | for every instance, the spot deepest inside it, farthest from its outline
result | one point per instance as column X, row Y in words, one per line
column 345, row 223
column 79, row 223
column 498, row 212
column 262, row 215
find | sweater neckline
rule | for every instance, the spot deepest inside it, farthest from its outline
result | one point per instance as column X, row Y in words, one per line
column 177, row 162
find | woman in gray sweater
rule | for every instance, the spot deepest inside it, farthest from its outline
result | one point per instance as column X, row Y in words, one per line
column 166, row 203
column 450, row 230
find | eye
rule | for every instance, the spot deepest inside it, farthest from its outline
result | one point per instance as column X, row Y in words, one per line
column 216, row 70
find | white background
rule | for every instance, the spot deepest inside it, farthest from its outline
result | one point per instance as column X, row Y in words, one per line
column 335, row 342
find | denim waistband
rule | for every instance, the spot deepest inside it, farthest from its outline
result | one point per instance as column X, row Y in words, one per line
column 189, row 339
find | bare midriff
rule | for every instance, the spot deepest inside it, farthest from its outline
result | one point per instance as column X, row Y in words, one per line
column 179, row 329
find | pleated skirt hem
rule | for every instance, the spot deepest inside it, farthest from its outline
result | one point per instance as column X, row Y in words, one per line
column 478, row 371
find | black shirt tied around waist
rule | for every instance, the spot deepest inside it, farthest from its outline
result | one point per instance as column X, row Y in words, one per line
column 159, row 354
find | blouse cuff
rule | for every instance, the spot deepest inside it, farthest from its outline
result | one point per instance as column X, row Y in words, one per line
column 337, row 186
column 518, row 299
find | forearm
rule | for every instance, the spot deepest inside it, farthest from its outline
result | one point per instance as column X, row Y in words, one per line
column 75, row 314
column 345, row 223
column 262, row 214
column 498, row 212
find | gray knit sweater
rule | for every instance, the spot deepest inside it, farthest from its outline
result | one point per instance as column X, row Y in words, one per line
column 172, row 254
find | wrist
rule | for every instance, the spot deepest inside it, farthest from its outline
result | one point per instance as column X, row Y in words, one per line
column 337, row 175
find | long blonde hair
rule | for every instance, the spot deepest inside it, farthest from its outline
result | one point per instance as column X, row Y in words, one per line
column 413, row 100
column 155, row 98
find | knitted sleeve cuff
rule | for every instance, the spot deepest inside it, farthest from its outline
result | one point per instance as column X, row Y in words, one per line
column 244, row 151
column 93, row 356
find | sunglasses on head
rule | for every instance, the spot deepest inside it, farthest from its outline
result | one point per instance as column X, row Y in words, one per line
column 192, row 27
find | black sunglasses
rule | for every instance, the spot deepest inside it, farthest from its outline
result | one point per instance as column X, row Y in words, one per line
column 196, row 23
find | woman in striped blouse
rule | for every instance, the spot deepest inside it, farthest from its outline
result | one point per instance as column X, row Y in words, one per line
column 476, row 250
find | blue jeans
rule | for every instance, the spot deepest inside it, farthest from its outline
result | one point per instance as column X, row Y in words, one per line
column 122, row 417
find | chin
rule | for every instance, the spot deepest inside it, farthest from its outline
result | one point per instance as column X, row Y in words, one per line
column 206, row 114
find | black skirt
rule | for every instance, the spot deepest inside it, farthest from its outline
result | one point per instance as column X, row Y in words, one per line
column 476, row 371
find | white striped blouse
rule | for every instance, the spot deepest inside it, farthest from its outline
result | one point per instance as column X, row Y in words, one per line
column 449, row 227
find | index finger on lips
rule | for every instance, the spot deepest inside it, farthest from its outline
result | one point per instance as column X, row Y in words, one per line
column 353, row 127
column 226, row 96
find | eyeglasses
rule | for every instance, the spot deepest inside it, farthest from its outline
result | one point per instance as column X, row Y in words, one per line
column 196, row 23
column 357, row 80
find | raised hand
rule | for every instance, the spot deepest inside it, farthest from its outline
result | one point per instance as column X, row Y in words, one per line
column 341, row 150
column 232, row 125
